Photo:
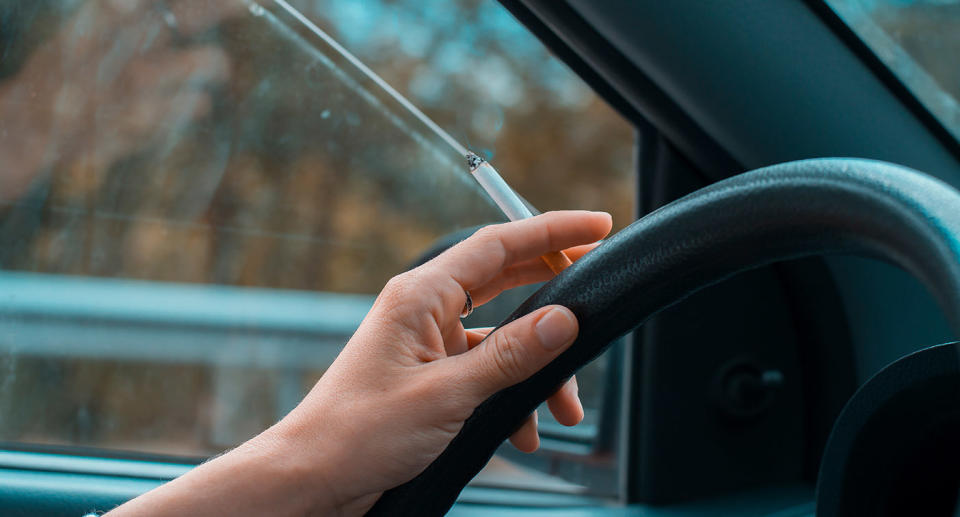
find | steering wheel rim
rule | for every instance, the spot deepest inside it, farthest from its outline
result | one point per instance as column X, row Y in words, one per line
column 786, row 211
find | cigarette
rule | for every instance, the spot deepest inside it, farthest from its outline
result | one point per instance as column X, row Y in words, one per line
column 511, row 204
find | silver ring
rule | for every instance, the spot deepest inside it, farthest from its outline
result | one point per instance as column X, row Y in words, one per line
column 467, row 306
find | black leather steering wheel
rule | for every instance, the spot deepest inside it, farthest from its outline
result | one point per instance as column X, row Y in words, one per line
column 781, row 212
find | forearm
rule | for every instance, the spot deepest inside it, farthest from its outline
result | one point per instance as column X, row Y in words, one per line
column 257, row 478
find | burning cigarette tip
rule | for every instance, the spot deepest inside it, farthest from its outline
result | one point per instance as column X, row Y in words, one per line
column 473, row 160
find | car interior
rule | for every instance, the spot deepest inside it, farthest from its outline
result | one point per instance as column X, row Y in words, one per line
column 767, row 332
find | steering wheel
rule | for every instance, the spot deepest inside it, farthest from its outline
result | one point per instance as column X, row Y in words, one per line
column 786, row 211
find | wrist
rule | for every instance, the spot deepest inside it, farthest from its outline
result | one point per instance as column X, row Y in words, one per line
column 305, row 467
column 288, row 474
column 316, row 466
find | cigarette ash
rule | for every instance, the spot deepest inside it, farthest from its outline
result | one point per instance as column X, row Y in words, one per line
column 474, row 161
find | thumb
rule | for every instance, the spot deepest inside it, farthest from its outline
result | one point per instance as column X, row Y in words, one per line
column 519, row 349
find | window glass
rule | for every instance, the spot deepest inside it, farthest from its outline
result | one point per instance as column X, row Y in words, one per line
column 919, row 40
column 200, row 200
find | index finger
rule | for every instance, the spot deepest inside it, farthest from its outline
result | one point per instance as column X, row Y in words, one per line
column 482, row 256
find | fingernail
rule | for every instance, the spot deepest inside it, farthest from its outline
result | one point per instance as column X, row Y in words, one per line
column 575, row 388
column 556, row 328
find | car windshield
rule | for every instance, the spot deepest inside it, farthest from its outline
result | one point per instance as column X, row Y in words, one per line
column 919, row 40
column 200, row 200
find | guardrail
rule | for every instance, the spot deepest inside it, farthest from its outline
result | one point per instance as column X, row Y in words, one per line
column 224, row 327
column 107, row 318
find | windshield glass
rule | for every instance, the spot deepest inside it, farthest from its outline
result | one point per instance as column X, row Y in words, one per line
column 920, row 41
column 200, row 200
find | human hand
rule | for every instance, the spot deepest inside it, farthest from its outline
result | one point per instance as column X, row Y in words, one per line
column 411, row 375
column 112, row 80
column 403, row 385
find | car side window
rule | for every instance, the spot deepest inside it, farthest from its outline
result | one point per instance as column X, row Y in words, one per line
column 200, row 200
